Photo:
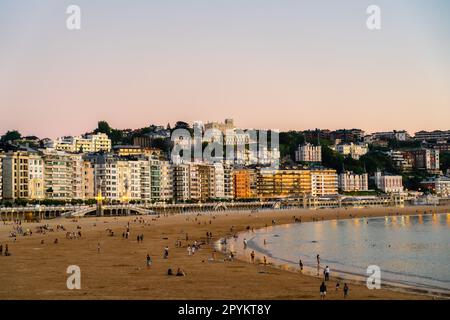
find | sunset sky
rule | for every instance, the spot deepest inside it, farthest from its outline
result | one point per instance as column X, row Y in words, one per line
column 284, row 64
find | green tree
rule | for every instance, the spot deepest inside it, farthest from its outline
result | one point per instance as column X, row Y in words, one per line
column 103, row 127
column 11, row 136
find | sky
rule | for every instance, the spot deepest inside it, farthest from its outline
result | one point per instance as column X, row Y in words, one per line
column 279, row 64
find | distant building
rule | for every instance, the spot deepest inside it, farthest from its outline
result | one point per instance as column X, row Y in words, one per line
column 389, row 183
column 223, row 127
column 402, row 161
column 426, row 159
column 438, row 185
column 400, row 135
column 436, row 135
column 308, row 153
column 350, row 182
column 353, row 150
column 89, row 143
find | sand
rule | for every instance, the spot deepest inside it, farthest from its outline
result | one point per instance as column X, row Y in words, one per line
column 119, row 271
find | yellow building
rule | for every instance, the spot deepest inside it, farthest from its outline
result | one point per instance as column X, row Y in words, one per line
column 15, row 175
column 283, row 183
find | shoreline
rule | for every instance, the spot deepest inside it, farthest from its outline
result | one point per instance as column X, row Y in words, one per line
column 38, row 271
column 342, row 275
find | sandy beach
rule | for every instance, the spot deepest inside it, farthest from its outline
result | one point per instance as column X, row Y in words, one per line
column 37, row 270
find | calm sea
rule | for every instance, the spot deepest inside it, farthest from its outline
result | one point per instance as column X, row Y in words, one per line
column 410, row 250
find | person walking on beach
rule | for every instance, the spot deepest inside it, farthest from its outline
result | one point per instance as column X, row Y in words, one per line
column 189, row 250
column 252, row 255
column 345, row 290
column 318, row 264
column 149, row 261
column 245, row 243
column 323, row 291
column 166, row 252
column 98, row 247
column 326, row 273
column 1, row 249
column 300, row 264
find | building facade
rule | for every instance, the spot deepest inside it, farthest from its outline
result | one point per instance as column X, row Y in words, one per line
column 350, row 182
column 308, row 153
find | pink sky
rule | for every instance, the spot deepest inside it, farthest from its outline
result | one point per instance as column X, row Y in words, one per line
column 273, row 66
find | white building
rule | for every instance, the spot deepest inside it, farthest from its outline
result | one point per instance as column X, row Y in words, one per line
column 324, row 182
column 389, row 183
column 58, row 175
column 308, row 153
column 350, row 182
column 353, row 150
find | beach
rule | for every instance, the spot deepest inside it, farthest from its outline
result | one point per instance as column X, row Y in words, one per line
column 115, row 268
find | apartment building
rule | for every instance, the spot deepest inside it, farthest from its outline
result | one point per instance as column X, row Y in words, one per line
column 402, row 161
column 283, row 183
column 15, row 175
column 324, row 182
column 166, row 181
column 88, row 180
column 58, row 175
column 36, row 185
column 426, row 159
column 308, row 153
column 89, row 143
column 353, row 150
column 351, row 182
column 186, row 182
column 389, row 183
column 244, row 183
column 228, row 181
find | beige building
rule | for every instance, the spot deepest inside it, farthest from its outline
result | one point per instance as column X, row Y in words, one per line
column 15, row 175
column 350, row 182
column 308, row 153
column 35, row 177
column 166, row 181
column 90, row 143
column 186, row 182
column 353, row 150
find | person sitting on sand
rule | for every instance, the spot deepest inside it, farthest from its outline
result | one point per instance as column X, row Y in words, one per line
column 180, row 273
column 169, row 272
column 149, row 260
column 337, row 286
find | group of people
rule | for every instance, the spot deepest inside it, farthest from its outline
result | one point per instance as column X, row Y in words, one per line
column 7, row 253
column 323, row 290
column 140, row 238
